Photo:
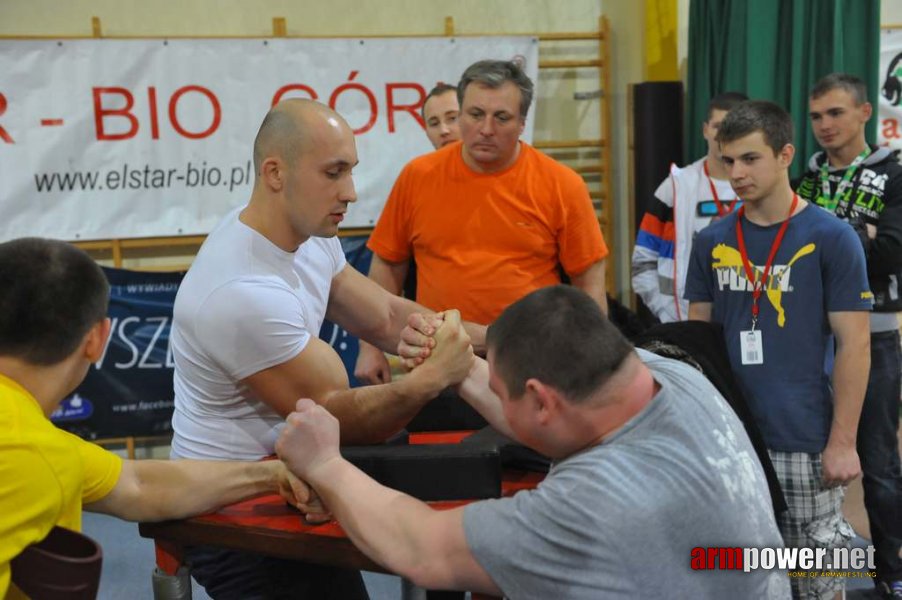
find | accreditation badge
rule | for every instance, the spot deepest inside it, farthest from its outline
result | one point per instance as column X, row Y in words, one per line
column 752, row 347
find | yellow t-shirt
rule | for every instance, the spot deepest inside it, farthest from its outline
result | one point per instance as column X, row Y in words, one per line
column 45, row 476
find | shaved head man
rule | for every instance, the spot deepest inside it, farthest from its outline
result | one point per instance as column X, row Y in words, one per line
column 303, row 157
column 246, row 320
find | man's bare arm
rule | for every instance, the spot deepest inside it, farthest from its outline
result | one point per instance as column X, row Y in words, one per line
column 403, row 534
column 373, row 413
column 850, row 381
column 477, row 393
column 592, row 282
column 474, row 389
column 376, row 316
column 367, row 310
column 373, row 314
column 372, row 366
column 154, row 490
column 389, row 275
column 367, row 414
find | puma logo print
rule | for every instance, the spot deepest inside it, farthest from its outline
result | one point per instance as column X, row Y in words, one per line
column 731, row 274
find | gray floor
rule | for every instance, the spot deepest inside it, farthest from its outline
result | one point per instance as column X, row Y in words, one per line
column 128, row 562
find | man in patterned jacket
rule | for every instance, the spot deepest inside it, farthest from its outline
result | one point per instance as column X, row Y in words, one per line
column 685, row 203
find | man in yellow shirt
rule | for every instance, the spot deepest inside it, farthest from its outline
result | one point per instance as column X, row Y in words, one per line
column 53, row 325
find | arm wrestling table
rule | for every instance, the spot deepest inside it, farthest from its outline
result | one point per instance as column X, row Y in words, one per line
column 268, row 526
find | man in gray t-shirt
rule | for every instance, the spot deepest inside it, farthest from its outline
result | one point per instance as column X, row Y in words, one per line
column 621, row 517
column 651, row 466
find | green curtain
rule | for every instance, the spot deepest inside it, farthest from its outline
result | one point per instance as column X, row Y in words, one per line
column 776, row 50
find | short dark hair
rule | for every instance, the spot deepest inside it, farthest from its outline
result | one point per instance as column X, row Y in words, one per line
column 438, row 90
column 559, row 336
column 750, row 116
column 51, row 294
column 843, row 81
column 493, row 74
column 726, row 101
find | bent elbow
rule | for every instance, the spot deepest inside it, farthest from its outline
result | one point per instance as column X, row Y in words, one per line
column 428, row 574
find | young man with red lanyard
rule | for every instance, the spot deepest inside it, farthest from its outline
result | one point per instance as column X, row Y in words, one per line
column 862, row 185
column 685, row 203
column 785, row 280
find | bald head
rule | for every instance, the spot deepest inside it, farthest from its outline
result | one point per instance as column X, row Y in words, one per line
column 286, row 130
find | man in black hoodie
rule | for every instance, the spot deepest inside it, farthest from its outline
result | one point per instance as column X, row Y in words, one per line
column 862, row 184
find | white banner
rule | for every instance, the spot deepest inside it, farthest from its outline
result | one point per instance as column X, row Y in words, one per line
column 139, row 138
column 889, row 107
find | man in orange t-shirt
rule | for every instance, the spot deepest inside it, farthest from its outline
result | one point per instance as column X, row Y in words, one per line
column 488, row 219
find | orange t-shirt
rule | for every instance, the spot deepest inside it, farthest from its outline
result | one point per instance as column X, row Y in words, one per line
column 482, row 241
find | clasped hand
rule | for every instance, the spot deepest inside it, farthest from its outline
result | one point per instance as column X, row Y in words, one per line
column 440, row 340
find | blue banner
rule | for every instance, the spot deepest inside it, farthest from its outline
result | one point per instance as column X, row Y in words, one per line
column 128, row 392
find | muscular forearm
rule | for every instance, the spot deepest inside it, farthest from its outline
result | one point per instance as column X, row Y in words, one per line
column 477, row 337
column 385, row 524
column 475, row 390
column 401, row 309
column 388, row 336
column 367, row 310
column 391, row 276
column 388, row 275
column 405, row 535
column 155, row 490
column 372, row 414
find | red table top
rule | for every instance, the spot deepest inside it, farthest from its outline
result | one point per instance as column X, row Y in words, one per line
column 267, row 524
column 272, row 512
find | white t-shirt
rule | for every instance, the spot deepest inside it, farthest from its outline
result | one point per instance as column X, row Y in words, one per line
column 244, row 306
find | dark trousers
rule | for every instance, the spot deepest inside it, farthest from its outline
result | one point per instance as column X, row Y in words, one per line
column 878, row 449
column 233, row 575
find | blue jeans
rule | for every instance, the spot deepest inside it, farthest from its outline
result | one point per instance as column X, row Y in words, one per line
column 878, row 448
column 233, row 575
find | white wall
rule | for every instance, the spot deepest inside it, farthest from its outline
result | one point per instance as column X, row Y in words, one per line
column 305, row 17
column 891, row 12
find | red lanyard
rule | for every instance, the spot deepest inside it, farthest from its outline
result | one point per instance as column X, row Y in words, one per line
column 757, row 285
column 721, row 212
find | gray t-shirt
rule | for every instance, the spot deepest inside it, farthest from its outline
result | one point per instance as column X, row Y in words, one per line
column 621, row 519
